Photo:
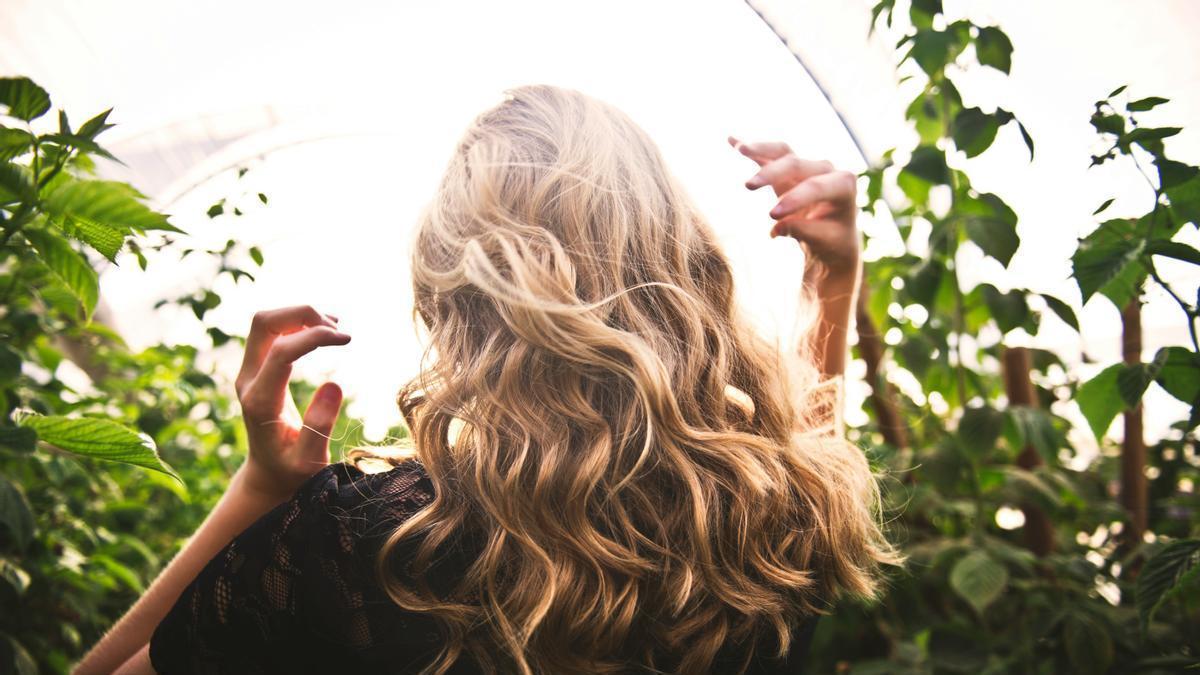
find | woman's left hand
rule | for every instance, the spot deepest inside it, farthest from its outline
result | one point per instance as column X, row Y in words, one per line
column 817, row 204
column 285, row 450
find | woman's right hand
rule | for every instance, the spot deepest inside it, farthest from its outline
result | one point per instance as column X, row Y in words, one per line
column 817, row 204
column 285, row 449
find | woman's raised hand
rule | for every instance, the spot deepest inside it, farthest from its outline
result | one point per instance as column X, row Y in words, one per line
column 285, row 449
column 816, row 203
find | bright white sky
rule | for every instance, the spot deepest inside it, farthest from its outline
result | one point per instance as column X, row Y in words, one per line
column 366, row 100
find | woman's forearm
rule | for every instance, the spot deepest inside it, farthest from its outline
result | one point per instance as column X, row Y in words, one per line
column 237, row 509
column 835, row 293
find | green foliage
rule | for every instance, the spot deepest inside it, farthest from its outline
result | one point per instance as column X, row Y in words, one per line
column 100, row 481
column 983, row 592
column 97, row 438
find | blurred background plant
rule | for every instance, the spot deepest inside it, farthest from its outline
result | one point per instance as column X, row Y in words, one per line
column 1030, row 553
column 109, row 457
column 1027, row 554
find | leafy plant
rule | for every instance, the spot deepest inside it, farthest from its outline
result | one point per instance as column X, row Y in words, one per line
column 109, row 458
column 1020, row 561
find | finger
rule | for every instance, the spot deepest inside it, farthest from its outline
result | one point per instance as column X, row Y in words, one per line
column 837, row 187
column 761, row 152
column 266, row 393
column 269, row 325
column 789, row 168
column 319, row 419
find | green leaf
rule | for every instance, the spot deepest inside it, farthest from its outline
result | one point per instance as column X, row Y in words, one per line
column 262, row 198
column 978, row 579
column 929, row 164
column 1034, row 427
column 18, row 439
column 1181, row 183
column 1063, row 310
column 216, row 209
column 980, row 428
column 1089, row 646
column 95, row 126
column 114, row 205
column 25, row 100
column 1100, row 401
column 1107, row 262
column 993, row 48
column 1144, row 104
column 80, row 143
column 932, row 50
column 71, row 267
column 1133, row 379
column 1172, row 567
column 921, row 12
column 106, row 240
column 16, row 519
column 1174, row 249
column 991, row 225
column 256, row 255
column 974, row 130
column 14, row 143
column 1010, row 310
column 16, row 183
column 1180, row 373
column 98, row 439
column 1107, row 203
column 1027, row 138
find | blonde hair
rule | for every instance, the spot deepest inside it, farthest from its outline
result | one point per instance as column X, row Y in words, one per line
column 642, row 475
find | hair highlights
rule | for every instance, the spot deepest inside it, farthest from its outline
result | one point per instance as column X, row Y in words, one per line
column 642, row 477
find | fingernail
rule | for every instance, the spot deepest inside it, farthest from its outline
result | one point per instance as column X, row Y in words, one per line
column 777, row 211
column 754, row 183
column 328, row 394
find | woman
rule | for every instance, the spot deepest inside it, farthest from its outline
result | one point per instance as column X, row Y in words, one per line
column 612, row 472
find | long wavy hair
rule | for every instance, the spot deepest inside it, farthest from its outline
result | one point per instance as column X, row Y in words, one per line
column 646, row 481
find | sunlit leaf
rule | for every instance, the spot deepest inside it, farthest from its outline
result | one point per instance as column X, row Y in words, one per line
column 16, row 183
column 24, row 99
column 98, row 439
column 108, row 203
column 1100, row 401
column 994, row 49
column 71, row 267
column 1180, row 373
column 1107, row 261
column 14, row 143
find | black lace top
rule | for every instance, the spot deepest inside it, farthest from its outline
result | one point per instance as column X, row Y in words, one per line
column 295, row 592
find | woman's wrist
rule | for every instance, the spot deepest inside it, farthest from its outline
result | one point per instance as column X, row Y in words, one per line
column 256, row 489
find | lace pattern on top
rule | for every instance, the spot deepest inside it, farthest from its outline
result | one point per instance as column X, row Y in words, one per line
column 296, row 591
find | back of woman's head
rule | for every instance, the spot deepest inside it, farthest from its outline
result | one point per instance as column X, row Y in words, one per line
column 643, row 479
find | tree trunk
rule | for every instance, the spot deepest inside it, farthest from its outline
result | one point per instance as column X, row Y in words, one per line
column 1133, row 447
column 1039, row 531
column 870, row 347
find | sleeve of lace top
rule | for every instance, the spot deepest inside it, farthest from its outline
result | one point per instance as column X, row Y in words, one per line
column 295, row 591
